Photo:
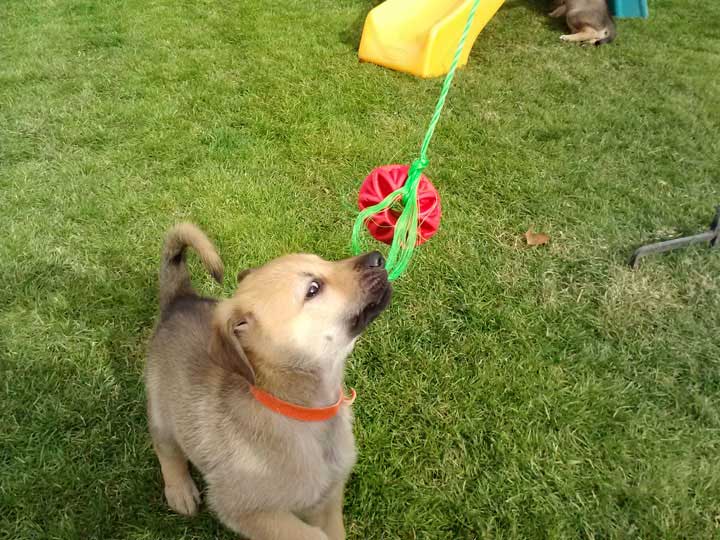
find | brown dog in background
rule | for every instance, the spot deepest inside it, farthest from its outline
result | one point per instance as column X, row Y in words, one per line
column 287, row 330
column 589, row 20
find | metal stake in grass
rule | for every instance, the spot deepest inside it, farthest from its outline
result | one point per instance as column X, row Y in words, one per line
column 712, row 236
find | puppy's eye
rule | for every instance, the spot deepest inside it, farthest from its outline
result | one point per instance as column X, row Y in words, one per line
column 313, row 289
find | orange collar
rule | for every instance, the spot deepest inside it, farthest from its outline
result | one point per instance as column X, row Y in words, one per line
column 297, row 412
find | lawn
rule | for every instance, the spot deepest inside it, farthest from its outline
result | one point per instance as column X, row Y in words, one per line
column 509, row 392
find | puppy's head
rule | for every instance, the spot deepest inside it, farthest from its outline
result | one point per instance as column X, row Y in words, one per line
column 299, row 312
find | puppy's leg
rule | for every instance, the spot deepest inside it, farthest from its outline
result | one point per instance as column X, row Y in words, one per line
column 586, row 34
column 329, row 516
column 272, row 526
column 334, row 524
column 180, row 491
column 558, row 11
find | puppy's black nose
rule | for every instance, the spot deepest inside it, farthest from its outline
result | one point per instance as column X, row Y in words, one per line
column 376, row 260
column 373, row 259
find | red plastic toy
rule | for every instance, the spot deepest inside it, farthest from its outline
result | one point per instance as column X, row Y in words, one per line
column 383, row 181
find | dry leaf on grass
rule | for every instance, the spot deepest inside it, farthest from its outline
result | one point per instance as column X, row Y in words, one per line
column 536, row 239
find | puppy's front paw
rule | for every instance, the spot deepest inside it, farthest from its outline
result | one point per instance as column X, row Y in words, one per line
column 565, row 37
column 183, row 498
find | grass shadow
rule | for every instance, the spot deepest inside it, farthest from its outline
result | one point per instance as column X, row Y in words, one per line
column 88, row 409
column 351, row 35
column 541, row 8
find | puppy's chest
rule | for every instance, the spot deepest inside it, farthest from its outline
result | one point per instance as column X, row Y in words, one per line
column 309, row 461
column 328, row 455
column 338, row 448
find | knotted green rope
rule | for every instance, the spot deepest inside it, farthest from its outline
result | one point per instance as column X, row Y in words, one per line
column 405, row 236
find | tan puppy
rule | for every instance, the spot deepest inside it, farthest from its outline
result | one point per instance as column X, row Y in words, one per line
column 589, row 20
column 285, row 333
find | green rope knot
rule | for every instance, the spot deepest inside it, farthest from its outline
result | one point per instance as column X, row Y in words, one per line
column 418, row 166
column 413, row 179
column 405, row 234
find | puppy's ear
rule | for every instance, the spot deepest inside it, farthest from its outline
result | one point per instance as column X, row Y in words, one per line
column 225, row 348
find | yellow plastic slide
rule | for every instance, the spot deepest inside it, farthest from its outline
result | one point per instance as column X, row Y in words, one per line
column 420, row 36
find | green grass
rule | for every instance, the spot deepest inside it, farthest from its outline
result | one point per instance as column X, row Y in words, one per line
column 508, row 393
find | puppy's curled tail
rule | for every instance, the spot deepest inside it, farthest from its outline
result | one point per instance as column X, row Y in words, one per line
column 174, row 276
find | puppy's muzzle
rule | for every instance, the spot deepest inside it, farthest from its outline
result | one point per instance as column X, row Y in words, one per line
column 376, row 289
